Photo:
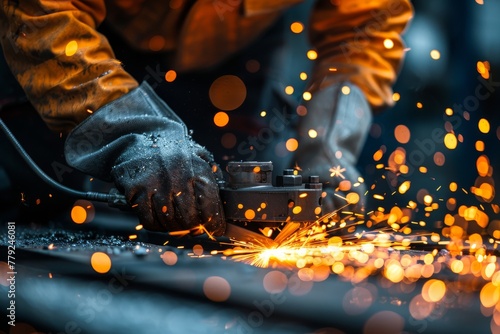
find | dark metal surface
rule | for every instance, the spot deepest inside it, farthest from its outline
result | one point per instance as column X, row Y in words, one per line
column 57, row 290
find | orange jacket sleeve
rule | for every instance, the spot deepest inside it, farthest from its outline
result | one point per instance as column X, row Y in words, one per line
column 66, row 68
column 360, row 42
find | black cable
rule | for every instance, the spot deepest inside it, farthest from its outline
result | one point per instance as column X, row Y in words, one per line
column 93, row 196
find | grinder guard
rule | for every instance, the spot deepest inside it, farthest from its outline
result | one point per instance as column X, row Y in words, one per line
column 250, row 196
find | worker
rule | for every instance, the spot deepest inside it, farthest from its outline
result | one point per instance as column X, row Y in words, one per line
column 118, row 129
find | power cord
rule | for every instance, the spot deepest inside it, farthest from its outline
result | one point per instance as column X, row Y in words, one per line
column 114, row 198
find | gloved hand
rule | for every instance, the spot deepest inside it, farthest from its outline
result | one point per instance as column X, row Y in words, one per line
column 138, row 142
column 342, row 122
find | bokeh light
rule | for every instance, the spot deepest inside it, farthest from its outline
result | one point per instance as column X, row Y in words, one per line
column 170, row 76
column 83, row 211
column 402, row 134
column 435, row 54
column 157, row 43
column 216, row 289
column 292, row 144
column 388, row 43
column 100, row 262
column 275, row 281
column 71, row 48
column 221, row 119
column 227, row 92
column 312, row 54
column 169, row 258
column 297, row 27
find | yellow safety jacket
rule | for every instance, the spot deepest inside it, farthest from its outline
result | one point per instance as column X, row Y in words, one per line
column 68, row 69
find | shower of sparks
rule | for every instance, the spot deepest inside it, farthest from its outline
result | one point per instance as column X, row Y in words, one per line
column 337, row 171
column 433, row 231
column 427, row 236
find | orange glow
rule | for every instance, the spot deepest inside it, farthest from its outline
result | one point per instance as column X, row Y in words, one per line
column 297, row 27
column 156, row 43
column 396, row 97
column 78, row 214
column 483, row 165
column 428, row 199
column 221, row 119
column 448, row 111
column 71, row 48
column 170, row 76
column 394, row 272
column 275, row 282
column 399, row 156
column 456, row 266
column 489, row 295
column 479, row 146
column 450, row 141
column 433, row 290
column 198, row 250
column 289, row 90
column 250, row 214
column 449, row 219
column 453, row 186
column 301, row 110
column 402, row 134
column 388, row 43
column 169, row 258
column 352, row 198
column 100, row 262
column 483, row 125
column 227, row 92
column 419, row 308
column 306, row 96
column 378, row 155
column 292, row 144
column 483, row 68
column 404, row 187
column 439, row 159
column 311, row 54
column 216, row 289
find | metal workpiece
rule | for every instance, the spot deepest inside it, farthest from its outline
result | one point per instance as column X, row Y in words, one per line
column 249, row 195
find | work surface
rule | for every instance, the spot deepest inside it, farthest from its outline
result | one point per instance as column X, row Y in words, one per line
column 157, row 288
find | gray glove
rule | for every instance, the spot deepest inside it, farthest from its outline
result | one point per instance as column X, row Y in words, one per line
column 342, row 122
column 138, row 142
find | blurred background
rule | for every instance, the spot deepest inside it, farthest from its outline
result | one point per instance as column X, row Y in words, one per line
column 453, row 49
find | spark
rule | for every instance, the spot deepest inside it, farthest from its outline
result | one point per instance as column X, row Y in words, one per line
column 337, row 171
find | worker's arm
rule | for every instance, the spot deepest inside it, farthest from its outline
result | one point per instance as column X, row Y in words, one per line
column 119, row 131
column 360, row 42
column 359, row 53
column 66, row 68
